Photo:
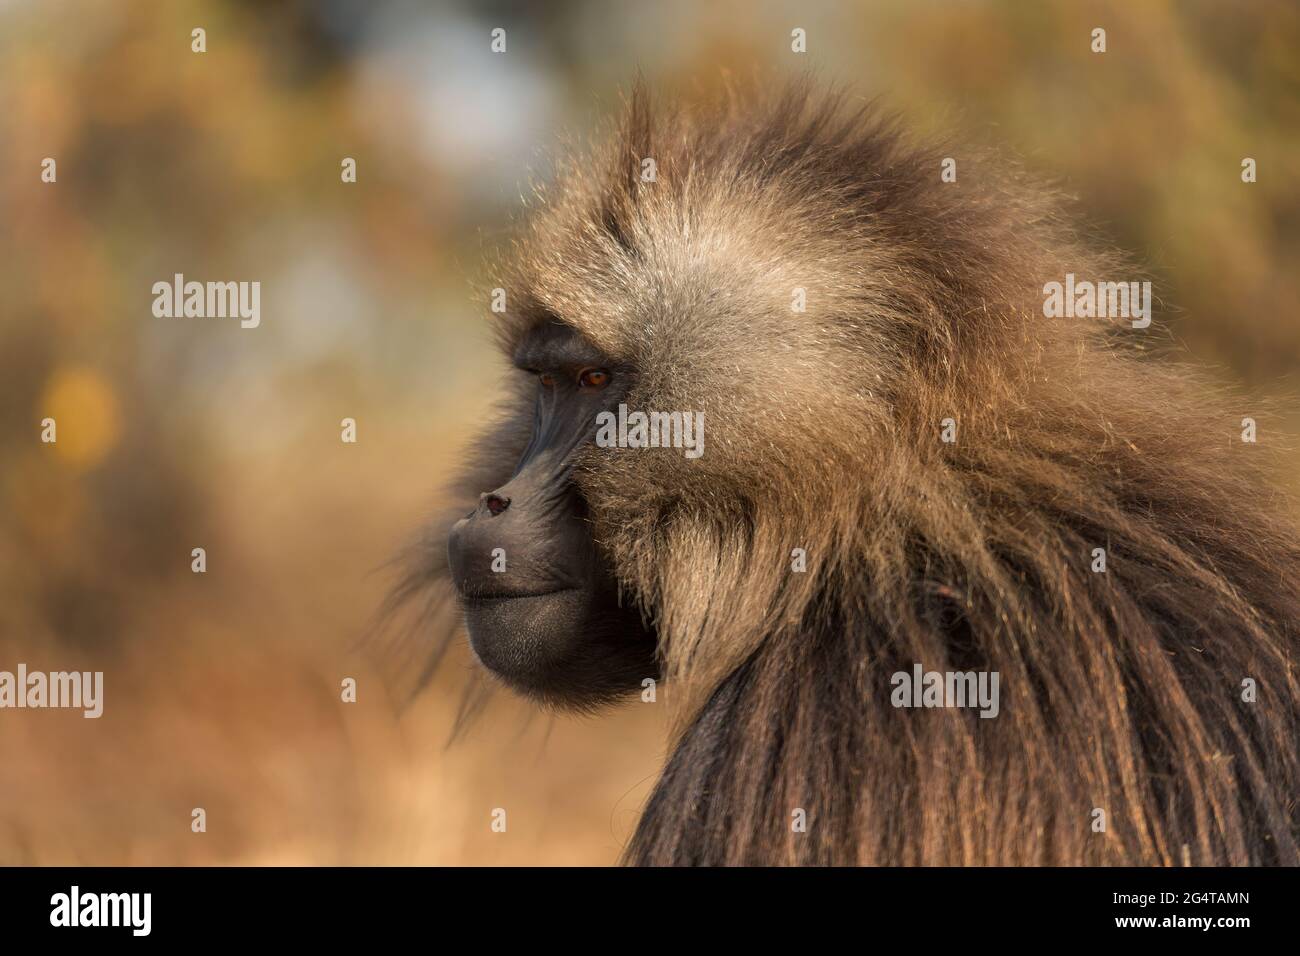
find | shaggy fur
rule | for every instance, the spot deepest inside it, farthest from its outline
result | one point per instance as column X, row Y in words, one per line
column 1120, row 690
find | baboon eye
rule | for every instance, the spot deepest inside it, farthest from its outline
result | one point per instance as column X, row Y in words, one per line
column 546, row 378
column 593, row 378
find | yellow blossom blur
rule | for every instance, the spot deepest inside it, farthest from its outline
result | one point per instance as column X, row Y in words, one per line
column 85, row 414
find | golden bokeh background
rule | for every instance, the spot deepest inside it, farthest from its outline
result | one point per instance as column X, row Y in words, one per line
column 222, row 688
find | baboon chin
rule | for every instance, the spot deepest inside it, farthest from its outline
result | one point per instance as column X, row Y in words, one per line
column 910, row 469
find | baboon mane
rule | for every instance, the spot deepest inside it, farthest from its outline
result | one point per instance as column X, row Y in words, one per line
column 1121, row 690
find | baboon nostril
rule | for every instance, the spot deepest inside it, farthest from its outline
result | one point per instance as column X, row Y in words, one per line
column 496, row 503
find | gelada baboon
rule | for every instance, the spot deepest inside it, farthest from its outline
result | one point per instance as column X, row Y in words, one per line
column 887, row 407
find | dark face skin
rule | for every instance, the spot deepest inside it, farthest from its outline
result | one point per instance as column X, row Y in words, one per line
column 550, row 624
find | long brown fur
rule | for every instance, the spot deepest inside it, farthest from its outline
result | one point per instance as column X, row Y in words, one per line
column 1120, row 690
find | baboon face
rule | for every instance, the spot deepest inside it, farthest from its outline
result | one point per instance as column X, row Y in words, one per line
column 721, row 298
column 542, row 608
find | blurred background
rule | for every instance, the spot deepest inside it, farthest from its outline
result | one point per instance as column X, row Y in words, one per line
column 222, row 688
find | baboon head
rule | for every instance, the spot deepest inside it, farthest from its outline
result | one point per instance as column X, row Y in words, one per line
column 766, row 271
column 906, row 462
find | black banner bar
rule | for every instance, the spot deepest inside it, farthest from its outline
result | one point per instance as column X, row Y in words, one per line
column 544, row 907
